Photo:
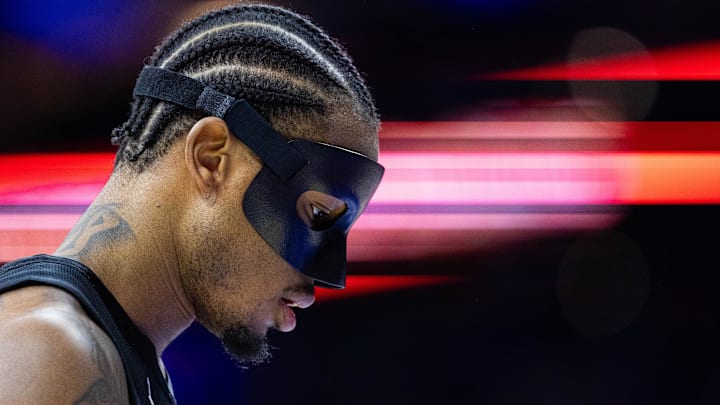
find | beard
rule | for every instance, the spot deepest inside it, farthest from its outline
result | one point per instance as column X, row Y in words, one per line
column 245, row 346
column 207, row 275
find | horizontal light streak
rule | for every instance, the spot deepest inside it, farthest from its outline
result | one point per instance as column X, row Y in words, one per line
column 22, row 171
column 363, row 285
column 62, row 178
column 375, row 236
column 430, row 203
column 397, row 245
column 54, row 194
column 639, row 178
column 688, row 62
column 500, row 192
column 498, row 160
column 363, row 230
column 419, row 236
column 34, row 221
column 550, row 135
column 478, row 178
column 502, row 130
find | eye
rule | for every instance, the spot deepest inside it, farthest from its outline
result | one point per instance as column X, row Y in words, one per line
column 319, row 210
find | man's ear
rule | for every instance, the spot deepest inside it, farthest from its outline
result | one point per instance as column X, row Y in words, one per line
column 207, row 153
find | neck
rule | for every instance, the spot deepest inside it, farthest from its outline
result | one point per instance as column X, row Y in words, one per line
column 131, row 249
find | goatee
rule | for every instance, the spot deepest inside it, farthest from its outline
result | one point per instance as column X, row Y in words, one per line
column 246, row 346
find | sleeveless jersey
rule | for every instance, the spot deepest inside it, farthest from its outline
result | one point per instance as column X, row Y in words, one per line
column 145, row 381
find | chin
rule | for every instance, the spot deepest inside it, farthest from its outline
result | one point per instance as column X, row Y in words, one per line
column 245, row 345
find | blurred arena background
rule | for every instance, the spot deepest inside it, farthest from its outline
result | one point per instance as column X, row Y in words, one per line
column 546, row 232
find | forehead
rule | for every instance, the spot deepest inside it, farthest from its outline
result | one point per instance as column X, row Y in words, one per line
column 342, row 127
column 352, row 130
column 357, row 135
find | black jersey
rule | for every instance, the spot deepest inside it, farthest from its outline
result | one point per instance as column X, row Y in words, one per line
column 145, row 381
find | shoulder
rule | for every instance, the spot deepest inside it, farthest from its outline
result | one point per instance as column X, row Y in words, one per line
column 52, row 352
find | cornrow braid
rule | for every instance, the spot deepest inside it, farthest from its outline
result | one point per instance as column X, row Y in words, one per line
column 337, row 54
column 280, row 62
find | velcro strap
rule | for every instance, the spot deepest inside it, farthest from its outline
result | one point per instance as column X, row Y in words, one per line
column 170, row 86
column 242, row 119
column 272, row 148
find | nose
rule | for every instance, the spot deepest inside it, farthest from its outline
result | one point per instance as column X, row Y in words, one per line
column 306, row 301
column 300, row 297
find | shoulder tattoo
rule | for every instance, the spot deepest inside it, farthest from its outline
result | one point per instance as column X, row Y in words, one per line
column 109, row 388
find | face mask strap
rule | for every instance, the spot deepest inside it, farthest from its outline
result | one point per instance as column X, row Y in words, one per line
column 270, row 203
column 242, row 119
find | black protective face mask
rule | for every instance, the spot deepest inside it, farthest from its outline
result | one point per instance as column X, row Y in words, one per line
column 283, row 203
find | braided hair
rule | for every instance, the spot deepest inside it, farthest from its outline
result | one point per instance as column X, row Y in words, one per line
column 280, row 62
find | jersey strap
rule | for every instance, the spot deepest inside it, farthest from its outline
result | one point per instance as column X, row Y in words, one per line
column 136, row 351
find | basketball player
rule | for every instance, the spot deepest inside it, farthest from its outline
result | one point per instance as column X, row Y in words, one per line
column 248, row 153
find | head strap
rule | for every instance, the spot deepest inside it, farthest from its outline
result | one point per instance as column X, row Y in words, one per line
column 242, row 119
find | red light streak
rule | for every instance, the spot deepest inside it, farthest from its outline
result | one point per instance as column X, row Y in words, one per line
column 544, row 136
column 363, row 285
column 435, row 201
column 688, row 62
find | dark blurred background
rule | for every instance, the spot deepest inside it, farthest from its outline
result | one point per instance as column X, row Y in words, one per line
column 623, row 314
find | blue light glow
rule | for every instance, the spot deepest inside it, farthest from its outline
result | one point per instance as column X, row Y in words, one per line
column 85, row 30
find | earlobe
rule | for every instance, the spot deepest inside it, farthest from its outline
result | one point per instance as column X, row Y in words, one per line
column 206, row 153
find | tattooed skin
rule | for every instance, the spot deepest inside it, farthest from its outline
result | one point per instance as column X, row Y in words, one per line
column 106, row 389
column 101, row 224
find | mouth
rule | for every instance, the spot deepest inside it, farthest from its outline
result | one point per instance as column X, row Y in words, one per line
column 287, row 319
column 300, row 296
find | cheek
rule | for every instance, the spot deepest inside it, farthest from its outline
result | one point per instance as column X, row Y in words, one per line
column 234, row 276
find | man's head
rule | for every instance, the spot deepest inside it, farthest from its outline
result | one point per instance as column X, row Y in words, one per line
column 307, row 88
column 285, row 66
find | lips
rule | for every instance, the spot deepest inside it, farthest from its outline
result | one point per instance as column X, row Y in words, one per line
column 294, row 298
column 287, row 321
